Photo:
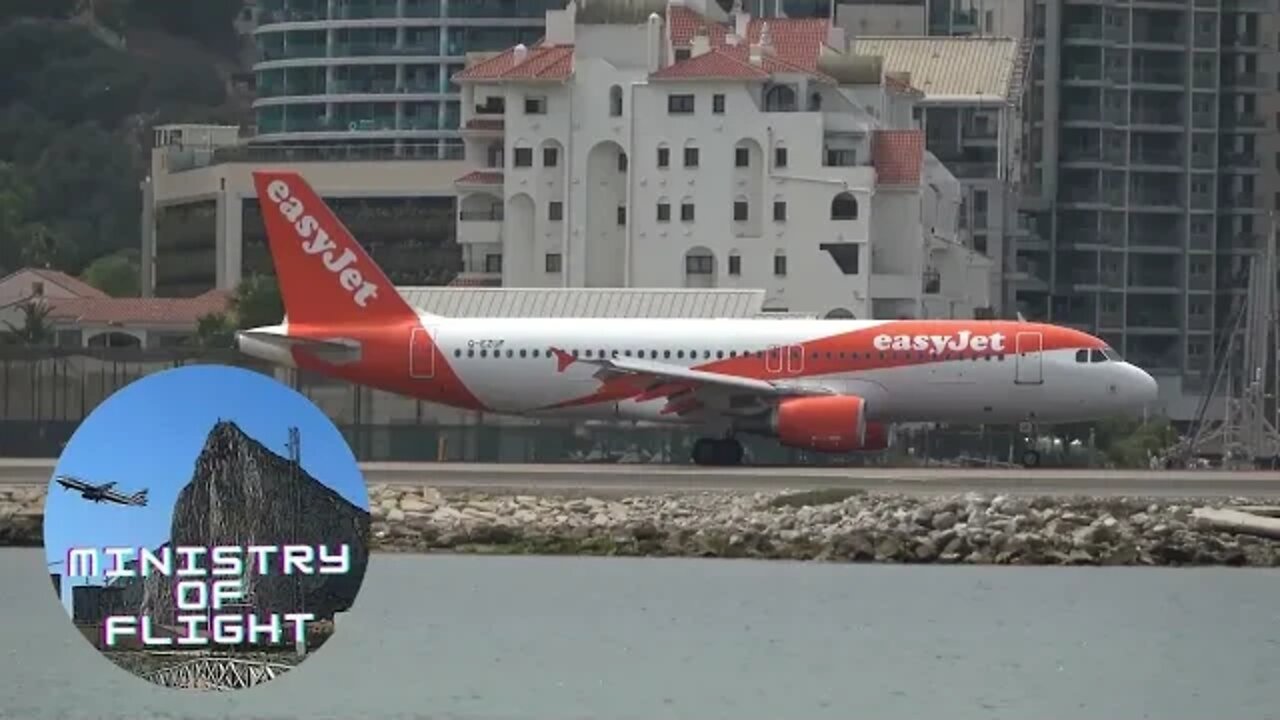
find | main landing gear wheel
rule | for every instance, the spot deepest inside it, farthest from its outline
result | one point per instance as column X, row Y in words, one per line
column 1030, row 459
column 717, row 451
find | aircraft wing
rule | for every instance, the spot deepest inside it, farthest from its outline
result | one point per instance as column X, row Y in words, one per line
column 687, row 390
column 72, row 483
column 139, row 499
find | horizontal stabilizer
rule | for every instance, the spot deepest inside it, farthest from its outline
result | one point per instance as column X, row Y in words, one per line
column 260, row 343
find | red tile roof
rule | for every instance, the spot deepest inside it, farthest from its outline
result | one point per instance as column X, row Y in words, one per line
column 139, row 311
column 481, row 177
column 796, row 41
column 71, row 284
column 898, row 156
column 542, row 62
column 713, row 65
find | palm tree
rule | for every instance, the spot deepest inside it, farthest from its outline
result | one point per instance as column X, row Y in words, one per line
column 35, row 328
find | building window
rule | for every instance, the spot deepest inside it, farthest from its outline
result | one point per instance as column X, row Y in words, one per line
column 844, row 207
column 686, row 212
column 550, row 157
column 555, row 211
column 735, row 264
column 740, row 211
column 780, row 265
column 615, row 101
column 780, row 157
column 679, row 104
column 664, row 212
column 691, row 157
column 717, row 104
column 664, row 157
column 622, row 215
column 535, row 105
column 741, row 157
column 524, row 157
column 698, row 264
column 980, row 243
column 553, row 262
column 622, row 162
column 682, row 54
column 493, row 263
column 779, row 211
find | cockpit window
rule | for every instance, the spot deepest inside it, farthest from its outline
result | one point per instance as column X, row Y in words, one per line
column 1112, row 355
column 1097, row 356
column 1082, row 356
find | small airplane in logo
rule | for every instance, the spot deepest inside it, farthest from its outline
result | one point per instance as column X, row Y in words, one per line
column 103, row 492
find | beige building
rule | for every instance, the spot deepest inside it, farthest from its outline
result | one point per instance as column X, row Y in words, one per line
column 202, row 228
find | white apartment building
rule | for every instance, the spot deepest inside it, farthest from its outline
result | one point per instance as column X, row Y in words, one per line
column 672, row 144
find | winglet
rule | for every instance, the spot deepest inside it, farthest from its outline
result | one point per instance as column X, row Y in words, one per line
column 563, row 359
column 325, row 277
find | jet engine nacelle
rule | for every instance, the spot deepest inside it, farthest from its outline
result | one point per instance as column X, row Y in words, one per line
column 829, row 423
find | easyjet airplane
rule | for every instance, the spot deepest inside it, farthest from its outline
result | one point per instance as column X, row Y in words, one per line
column 825, row 385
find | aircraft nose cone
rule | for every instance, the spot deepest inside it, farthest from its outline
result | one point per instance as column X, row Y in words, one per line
column 1145, row 389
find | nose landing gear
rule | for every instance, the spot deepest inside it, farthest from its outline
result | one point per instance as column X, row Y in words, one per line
column 717, row 451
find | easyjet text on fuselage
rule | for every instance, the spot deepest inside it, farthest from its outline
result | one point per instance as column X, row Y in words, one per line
column 316, row 241
column 963, row 341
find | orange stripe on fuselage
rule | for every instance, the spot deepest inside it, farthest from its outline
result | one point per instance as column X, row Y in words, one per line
column 856, row 351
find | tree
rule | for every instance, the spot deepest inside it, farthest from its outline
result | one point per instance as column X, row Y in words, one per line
column 116, row 275
column 35, row 328
column 257, row 302
column 215, row 330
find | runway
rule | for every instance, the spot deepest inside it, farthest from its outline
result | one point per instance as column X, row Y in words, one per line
column 619, row 478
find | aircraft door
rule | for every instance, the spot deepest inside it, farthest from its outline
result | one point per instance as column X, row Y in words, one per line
column 795, row 359
column 773, row 360
column 422, row 353
column 1028, row 358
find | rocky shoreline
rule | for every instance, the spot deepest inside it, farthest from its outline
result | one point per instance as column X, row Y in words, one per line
column 849, row 526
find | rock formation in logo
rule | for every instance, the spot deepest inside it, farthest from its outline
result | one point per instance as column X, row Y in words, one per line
column 243, row 494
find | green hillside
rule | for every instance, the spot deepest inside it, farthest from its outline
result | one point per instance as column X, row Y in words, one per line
column 85, row 81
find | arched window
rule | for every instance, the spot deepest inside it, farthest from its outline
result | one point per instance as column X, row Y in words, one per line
column 615, row 101
column 844, row 207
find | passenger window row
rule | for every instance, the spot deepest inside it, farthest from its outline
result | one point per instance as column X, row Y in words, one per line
column 721, row 354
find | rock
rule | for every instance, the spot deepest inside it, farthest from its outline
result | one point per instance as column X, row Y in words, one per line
column 969, row 528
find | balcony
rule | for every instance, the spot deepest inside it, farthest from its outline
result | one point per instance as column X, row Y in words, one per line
column 1082, row 31
column 1162, row 158
column 1199, row 282
column 1082, row 72
column 1241, row 161
column 1157, row 116
column 1153, row 199
column 1140, row 281
column 1202, row 201
column 1158, row 34
column 1242, row 201
column 1244, row 121
column 1202, row 321
column 1204, row 80
column 1158, row 76
column 1201, row 240
column 1241, row 80
column 1241, row 242
column 481, row 226
column 1146, row 239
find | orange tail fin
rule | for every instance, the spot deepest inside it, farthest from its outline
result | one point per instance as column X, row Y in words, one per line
column 325, row 277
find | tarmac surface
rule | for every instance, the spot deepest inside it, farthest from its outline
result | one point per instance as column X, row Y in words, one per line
column 637, row 478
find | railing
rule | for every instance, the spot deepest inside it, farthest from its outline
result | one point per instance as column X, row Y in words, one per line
column 1158, row 76
column 1152, row 157
column 218, row 673
column 1241, row 79
column 490, row 215
column 1155, row 37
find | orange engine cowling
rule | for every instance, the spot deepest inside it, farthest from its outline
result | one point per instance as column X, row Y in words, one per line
column 829, row 423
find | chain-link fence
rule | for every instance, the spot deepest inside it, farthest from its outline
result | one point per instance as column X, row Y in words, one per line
column 45, row 394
